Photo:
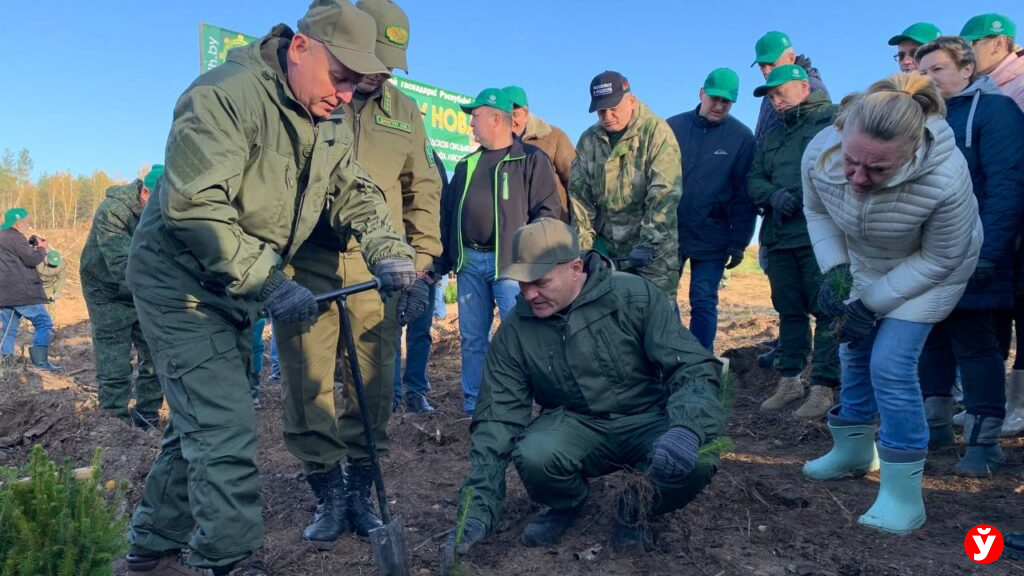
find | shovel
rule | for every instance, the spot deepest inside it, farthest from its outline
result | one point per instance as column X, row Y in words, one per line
column 388, row 541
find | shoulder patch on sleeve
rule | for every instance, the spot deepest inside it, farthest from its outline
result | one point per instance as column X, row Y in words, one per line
column 386, row 103
column 428, row 150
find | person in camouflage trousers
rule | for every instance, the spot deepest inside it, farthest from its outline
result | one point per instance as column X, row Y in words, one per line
column 115, row 324
column 626, row 182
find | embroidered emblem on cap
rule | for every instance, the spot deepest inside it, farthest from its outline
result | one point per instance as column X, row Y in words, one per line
column 397, row 35
column 603, row 89
column 997, row 25
column 796, row 73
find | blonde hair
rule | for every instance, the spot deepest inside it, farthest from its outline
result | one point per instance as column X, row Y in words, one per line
column 892, row 109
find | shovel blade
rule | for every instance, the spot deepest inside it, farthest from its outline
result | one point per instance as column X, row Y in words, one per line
column 389, row 548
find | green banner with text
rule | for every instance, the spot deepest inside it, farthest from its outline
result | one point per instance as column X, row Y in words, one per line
column 447, row 125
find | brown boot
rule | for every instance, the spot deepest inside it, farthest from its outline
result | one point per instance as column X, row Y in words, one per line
column 818, row 403
column 790, row 389
column 166, row 565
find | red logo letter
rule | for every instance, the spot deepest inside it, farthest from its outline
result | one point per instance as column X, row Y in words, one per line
column 983, row 544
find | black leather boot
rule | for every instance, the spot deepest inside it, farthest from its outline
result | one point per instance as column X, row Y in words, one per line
column 417, row 403
column 632, row 534
column 357, row 497
column 548, row 526
column 329, row 519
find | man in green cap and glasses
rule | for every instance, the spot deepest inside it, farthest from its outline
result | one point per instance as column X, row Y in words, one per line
column 772, row 50
column 993, row 38
column 115, row 324
column 776, row 188
column 906, row 43
column 21, row 289
column 253, row 159
column 715, row 217
column 391, row 144
column 495, row 190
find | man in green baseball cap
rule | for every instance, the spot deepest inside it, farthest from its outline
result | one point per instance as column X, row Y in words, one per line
column 53, row 273
column 910, row 40
column 715, row 216
column 993, row 38
column 12, row 216
column 492, row 98
column 772, row 50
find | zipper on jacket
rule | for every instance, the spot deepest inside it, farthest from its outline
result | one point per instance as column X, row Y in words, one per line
column 471, row 162
column 497, row 219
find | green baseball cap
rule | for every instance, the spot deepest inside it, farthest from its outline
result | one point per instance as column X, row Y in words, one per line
column 13, row 216
column 724, row 83
column 152, row 176
column 779, row 76
column 770, row 47
column 53, row 258
column 540, row 246
column 517, row 95
column 492, row 97
column 347, row 32
column 392, row 31
column 921, row 32
column 991, row 24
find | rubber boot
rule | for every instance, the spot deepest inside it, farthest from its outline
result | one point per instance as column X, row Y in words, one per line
column 548, row 526
column 818, row 403
column 417, row 403
column 357, row 497
column 853, row 450
column 899, row 507
column 329, row 518
column 1013, row 424
column 40, row 356
column 789, row 390
column 984, row 455
column 160, row 565
column 631, row 533
column 938, row 410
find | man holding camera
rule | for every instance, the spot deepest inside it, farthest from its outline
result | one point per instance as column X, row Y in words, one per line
column 21, row 290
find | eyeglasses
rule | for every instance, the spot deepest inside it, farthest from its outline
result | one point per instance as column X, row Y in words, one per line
column 899, row 56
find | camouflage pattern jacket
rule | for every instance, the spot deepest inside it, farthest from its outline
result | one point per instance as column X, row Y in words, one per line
column 105, row 255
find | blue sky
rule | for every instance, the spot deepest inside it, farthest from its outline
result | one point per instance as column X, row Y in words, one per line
column 91, row 85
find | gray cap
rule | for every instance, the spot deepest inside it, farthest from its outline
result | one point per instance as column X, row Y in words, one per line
column 392, row 31
column 540, row 246
column 347, row 32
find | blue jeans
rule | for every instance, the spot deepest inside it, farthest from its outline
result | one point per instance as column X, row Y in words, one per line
column 478, row 294
column 417, row 352
column 275, row 366
column 11, row 317
column 440, row 308
column 705, row 276
column 880, row 378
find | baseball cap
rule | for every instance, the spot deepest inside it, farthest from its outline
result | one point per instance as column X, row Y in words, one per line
column 53, row 258
column 492, row 97
column 922, row 33
column 13, row 216
column 724, row 83
column 517, row 95
column 154, row 174
column 392, row 32
column 347, row 32
column 607, row 90
column 540, row 246
column 990, row 24
column 770, row 47
column 779, row 76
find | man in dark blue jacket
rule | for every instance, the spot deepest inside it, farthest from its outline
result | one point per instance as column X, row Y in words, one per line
column 715, row 216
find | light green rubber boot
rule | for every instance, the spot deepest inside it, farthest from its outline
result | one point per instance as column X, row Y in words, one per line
column 899, row 507
column 853, row 450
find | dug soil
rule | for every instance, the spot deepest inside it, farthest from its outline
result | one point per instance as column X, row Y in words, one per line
column 760, row 516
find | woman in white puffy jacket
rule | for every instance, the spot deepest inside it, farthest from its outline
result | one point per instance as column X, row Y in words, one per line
column 890, row 210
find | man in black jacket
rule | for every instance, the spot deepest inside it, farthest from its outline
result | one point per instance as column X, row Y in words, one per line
column 495, row 190
column 715, row 216
column 21, row 289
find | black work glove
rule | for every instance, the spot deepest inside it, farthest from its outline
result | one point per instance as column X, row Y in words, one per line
column 472, row 532
column 288, row 301
column 395, row 274
column 674, row 454
column 784, row 203
column 640, row 256
column 854, row 324
column 983, row 274
column 734, row 260
column 415, row 300
column 834, row 290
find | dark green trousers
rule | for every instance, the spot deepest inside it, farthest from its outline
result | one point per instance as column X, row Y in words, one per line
column 203, row 491
column 561, row 450
column 795, row 279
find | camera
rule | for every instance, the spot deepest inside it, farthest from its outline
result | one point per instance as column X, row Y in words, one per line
column 33, row 240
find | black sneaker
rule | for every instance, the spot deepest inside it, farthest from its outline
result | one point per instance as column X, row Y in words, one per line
column 417, row 403
column 548, row 526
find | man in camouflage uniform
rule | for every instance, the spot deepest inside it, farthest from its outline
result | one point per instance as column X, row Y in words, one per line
column 115, row 325
column 620, row 384
column 253, row 158
column 626, row 183
column 391, row 144
column 53, row 272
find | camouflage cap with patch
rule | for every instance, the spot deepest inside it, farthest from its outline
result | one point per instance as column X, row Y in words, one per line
column 392, row 31
column 540, row 246
column 347, row 32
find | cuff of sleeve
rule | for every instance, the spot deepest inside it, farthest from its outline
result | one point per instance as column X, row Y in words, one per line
column 273, row 283
column 424, row 262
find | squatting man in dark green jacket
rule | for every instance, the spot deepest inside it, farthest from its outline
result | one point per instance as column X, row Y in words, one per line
column 620, row 382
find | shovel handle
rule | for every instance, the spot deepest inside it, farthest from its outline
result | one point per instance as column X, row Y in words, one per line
column 348, row 291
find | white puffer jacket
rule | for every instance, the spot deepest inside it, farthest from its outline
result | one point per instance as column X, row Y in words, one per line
column 912, row 245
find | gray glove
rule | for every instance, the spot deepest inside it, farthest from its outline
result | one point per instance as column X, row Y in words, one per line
column 395, row 274
column 472, row 532
column 415, row 300
column 784, row 202
column 289, row 301
column 674, row 454
column 641, row 256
